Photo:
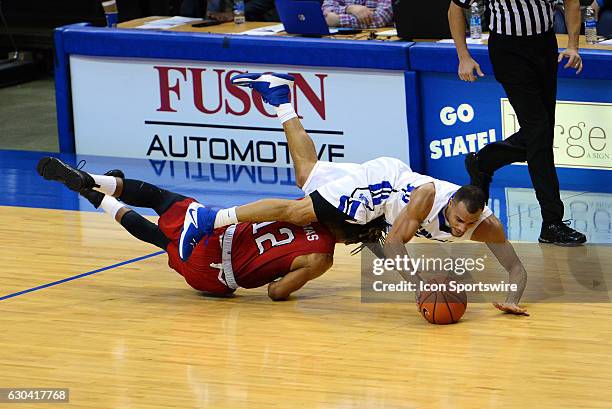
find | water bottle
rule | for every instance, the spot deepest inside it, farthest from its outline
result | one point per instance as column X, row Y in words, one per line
column 475, row 22
column 590, row 26
column 239, row 12
column 110, row 11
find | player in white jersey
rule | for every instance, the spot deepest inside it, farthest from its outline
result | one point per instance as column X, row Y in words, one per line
column 345, row 195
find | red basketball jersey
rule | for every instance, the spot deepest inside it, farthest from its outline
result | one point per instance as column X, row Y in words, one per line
column 203, row 269
column 263, row 252
column 260, row 252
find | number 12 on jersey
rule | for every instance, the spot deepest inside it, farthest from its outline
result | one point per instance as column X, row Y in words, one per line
column 277, row 238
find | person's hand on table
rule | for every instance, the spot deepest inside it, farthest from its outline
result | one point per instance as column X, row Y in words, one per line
column 332, row 19
column 362, row 13
column 223, row 16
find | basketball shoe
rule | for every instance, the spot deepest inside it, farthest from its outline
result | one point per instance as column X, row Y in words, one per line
column 274, row 88
column 199, row 223
column 54, row 169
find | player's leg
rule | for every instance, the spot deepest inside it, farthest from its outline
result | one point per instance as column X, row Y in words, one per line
column 113, row 183
column 52, row 168
column 298, row 212
column 302, row 150
column 200, row 221
column 131, row 221
column 142, row 194
column 275, row 89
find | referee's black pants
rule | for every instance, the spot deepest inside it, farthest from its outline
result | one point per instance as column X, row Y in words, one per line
column 527, row 69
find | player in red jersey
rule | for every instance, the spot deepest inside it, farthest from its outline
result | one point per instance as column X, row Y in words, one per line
column 248, row 255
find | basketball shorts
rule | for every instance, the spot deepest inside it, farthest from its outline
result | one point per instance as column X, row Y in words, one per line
column 352, row 192
column 203, row 269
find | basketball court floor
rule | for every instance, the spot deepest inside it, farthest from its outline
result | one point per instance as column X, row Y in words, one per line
column 85, row 306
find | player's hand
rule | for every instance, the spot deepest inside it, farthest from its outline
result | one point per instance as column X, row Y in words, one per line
column 511, row 308
column 362, row 13
column 467, row 66
column 574, row 59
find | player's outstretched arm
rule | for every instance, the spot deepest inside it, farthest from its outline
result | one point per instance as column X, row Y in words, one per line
column 491, row 232
column 406, row 225
column 304, row 269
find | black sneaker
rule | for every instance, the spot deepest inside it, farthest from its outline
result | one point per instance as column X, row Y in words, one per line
column 477, row 176
column 74, row 179
column 561, row 234
column 95, row 197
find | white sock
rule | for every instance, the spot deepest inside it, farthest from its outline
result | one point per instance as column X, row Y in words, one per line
column 225, row 217
column 285, row 112
column 108, row 184
column 111, row 205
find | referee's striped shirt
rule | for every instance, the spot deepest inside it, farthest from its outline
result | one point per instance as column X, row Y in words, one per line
column 518, row 17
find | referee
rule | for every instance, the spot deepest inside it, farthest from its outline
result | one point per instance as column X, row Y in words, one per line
column 524, row 54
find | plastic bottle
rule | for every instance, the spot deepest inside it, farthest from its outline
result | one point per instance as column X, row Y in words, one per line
column 239, row 12
column 590, row 26
column 475, row 22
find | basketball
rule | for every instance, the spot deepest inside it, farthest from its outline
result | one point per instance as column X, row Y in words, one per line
column 439, row 305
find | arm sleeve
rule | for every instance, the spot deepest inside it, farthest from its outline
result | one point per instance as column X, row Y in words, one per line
column 464, row 3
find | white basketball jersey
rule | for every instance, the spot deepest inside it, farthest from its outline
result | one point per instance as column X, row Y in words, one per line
column 435, row 226
column 362, row 191
column 382, row 187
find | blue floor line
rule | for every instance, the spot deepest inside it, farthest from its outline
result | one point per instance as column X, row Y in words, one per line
column 65, row 280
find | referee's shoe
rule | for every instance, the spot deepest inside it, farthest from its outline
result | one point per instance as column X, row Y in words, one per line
column 561, row 234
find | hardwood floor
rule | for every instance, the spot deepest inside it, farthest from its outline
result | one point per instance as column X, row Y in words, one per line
column 136, row 336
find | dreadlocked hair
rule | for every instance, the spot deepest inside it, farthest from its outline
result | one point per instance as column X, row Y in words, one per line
column 371, row 235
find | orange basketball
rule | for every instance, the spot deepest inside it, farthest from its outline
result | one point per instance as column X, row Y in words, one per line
column 442, row 306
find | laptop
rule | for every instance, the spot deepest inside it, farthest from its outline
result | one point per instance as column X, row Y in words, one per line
column 411, row 24
column 303, row 17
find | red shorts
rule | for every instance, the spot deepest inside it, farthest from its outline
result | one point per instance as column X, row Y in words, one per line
column 200, row 270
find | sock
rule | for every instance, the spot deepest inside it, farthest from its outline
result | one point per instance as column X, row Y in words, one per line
column 285, row 112
column 111, row 205
column 225, row 217
column 108, row 184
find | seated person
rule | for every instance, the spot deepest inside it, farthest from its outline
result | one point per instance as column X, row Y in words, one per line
column 358, row 13
column 603, row 15
column 223, row 10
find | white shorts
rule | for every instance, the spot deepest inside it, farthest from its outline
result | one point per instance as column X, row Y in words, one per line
column 359, row 191
column 325, row 172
